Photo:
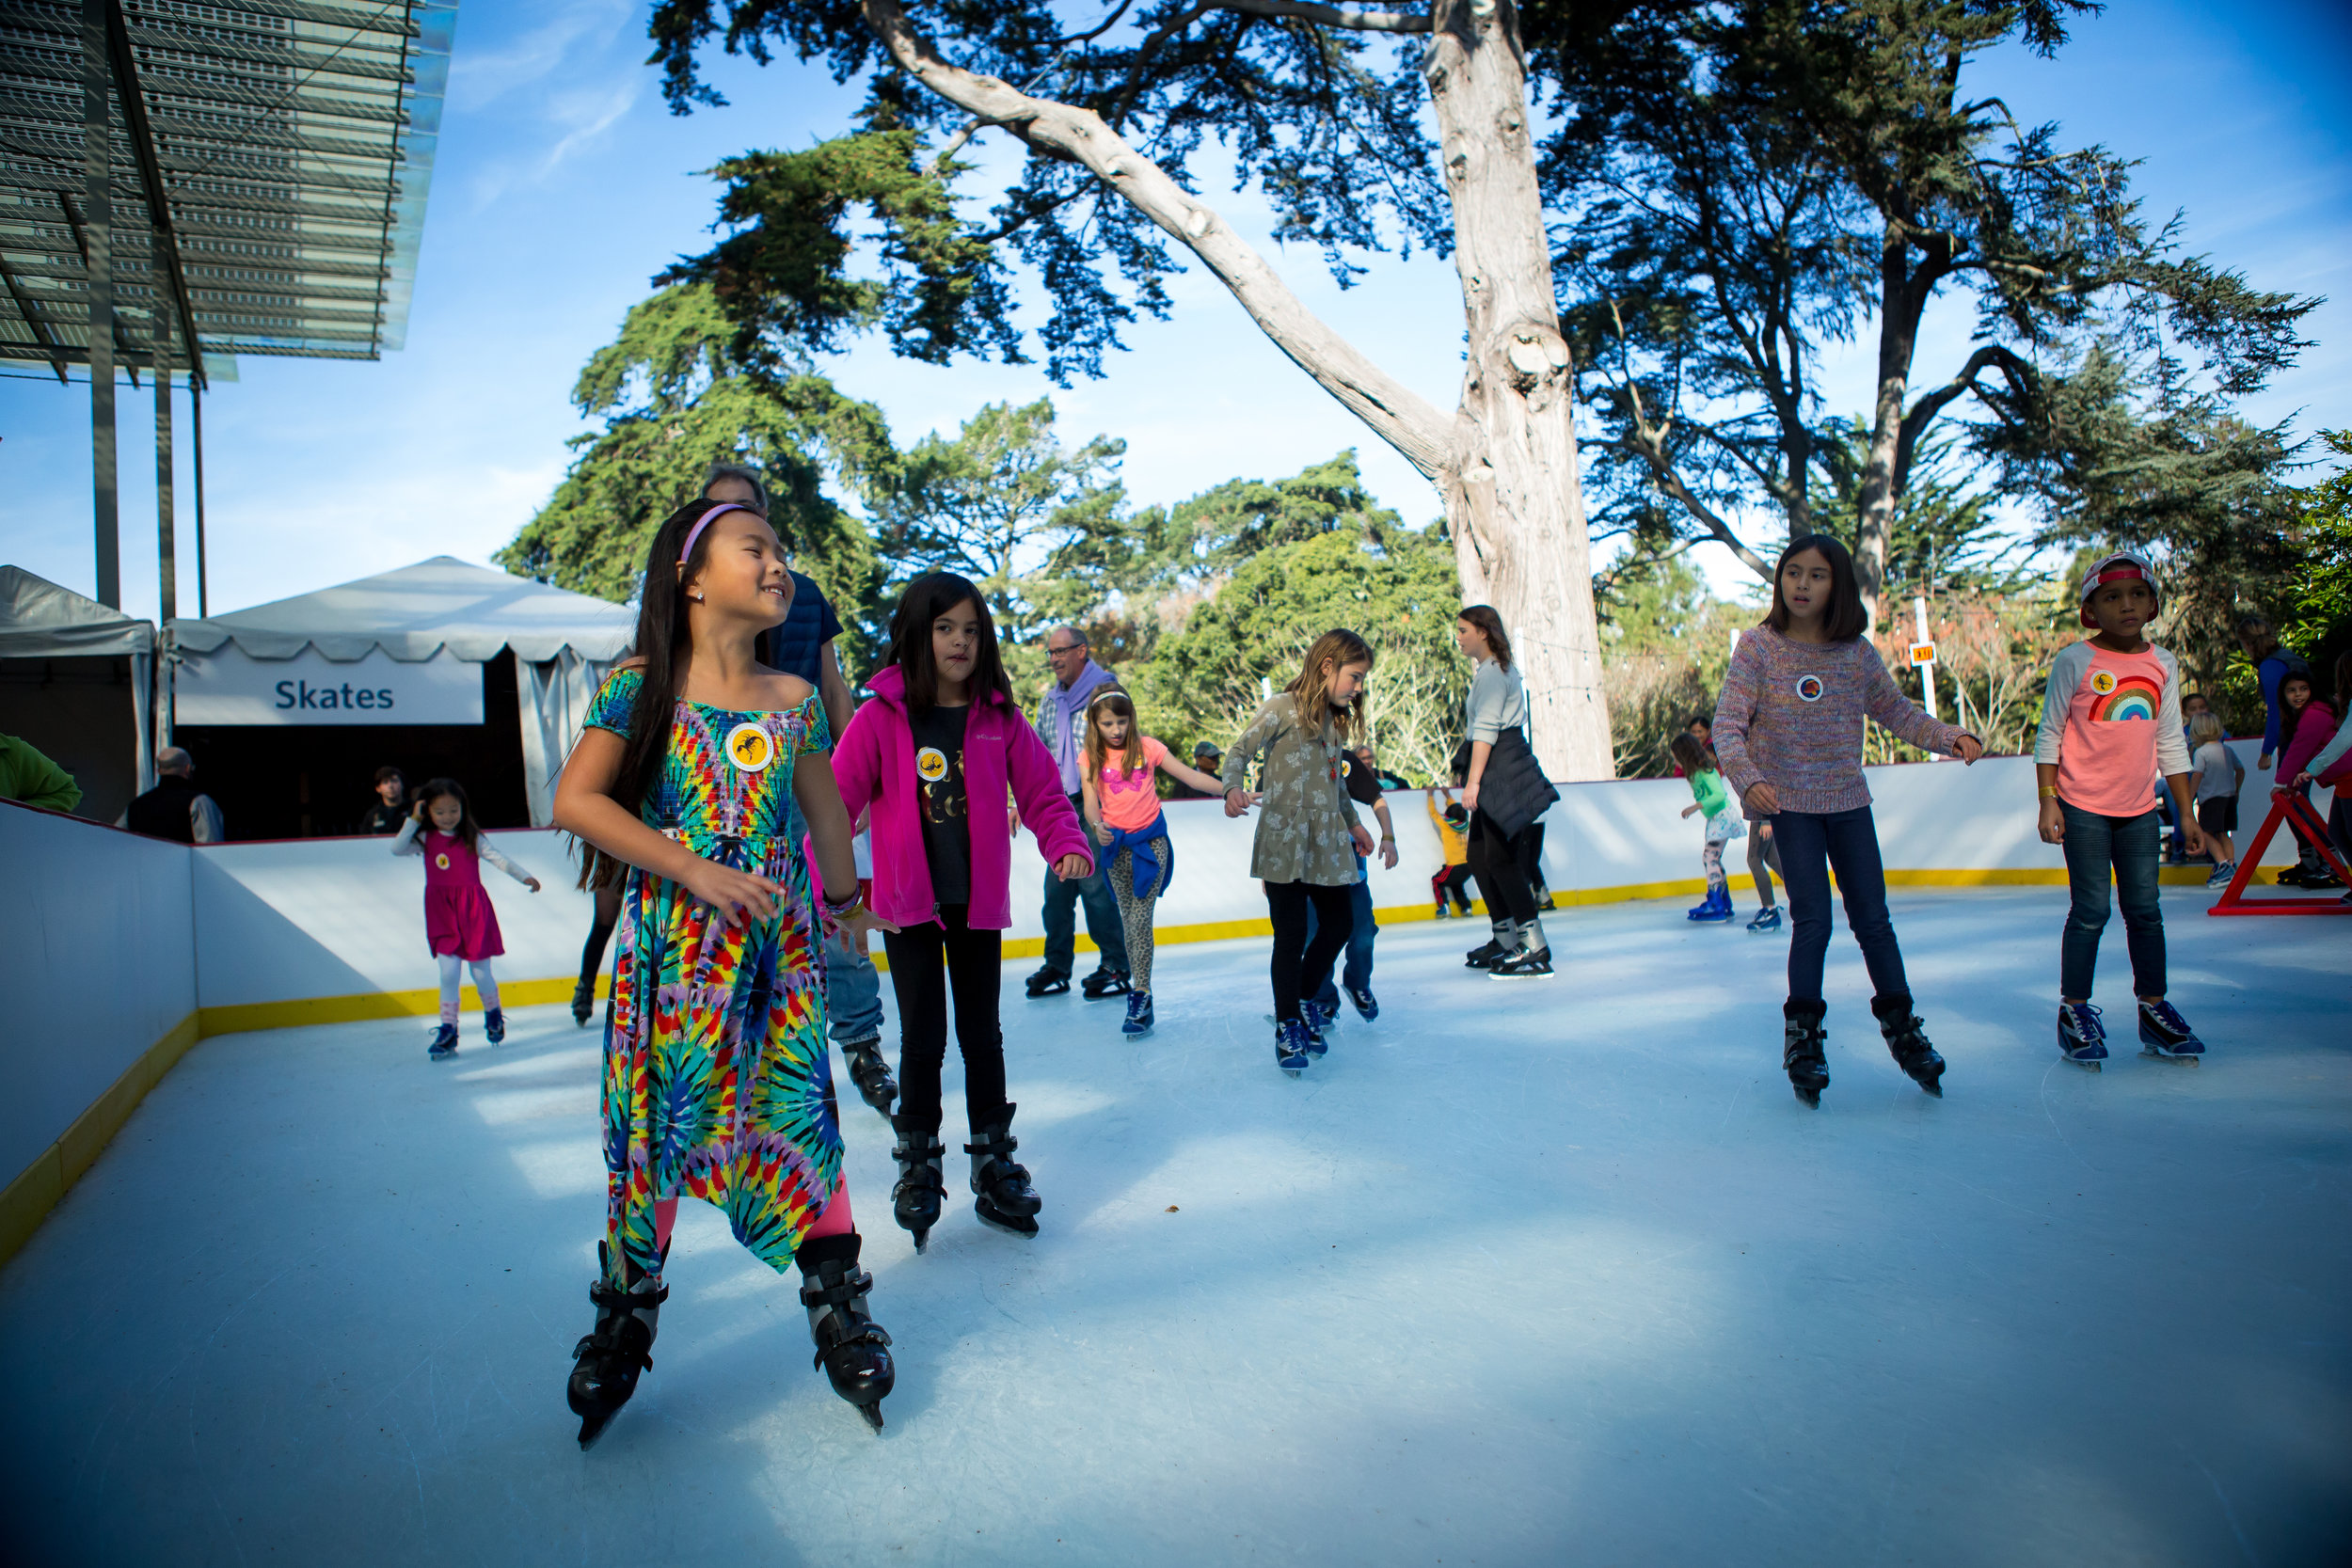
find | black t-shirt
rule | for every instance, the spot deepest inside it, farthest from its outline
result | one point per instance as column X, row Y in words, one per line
column 1179, row 790
column 946, row 808
column 382, row 818
column 1361, row 784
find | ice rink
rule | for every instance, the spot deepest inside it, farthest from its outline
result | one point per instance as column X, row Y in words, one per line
column 1536, row 1273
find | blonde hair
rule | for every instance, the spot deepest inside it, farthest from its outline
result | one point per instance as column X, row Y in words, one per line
column 2204, row 729
column 1098, row 754
column 1334, row 651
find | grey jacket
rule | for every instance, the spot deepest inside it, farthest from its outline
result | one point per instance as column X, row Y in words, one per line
column 1303, row 821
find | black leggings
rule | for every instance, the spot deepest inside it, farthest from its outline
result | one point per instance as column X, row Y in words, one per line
column 599, row 933
column 924, row 961
column 1300, row 966
column 1499, row 861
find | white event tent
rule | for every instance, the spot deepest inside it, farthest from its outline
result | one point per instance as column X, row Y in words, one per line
column 77, row 682
column 420, row 625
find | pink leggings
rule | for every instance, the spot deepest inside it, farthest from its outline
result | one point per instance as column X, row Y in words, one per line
column 836, row 1221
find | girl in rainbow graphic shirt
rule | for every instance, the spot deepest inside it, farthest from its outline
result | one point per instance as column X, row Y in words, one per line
column 2110, row 727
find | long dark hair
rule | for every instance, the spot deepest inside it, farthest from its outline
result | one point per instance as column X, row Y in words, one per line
column 468, row 832
column 1845, row 619
column 927, row 598
column 1489, row 625
column 664, row 643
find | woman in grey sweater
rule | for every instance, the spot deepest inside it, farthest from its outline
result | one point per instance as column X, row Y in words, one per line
column 1496, row 708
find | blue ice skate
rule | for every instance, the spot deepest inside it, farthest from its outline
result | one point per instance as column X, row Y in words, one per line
column 1317, row 1020
column 1766, row 921
column 1715, row 910
column 1290, row 1047
column 1138, row 1020
column 2163, row 1032
column 444, row 1044
column 2081, row 1037
column 1367, row 1005
column 494, row 1026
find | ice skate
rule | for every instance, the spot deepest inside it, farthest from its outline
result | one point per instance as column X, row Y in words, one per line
column 2221, row 874
column 1907, row 1042
column 2163, row 1032
column 1048, row 981
column 1492, row 951
column 871, row 1073
column 1766, row 921
column 444, row 1044
column 608, row 1358
column 1290, row 1046
column 1317, row 1020
column 1367, row 1007
column 1715, row 910
column 1139, row 1019
column 1104, row 982
column 1004, row 1197
column 921, row 1187
column 494, row 1027
column 2081, row 1037
column 851, row 1348
column 1530, row 957
column 1801, row 1053
column 584, row 1002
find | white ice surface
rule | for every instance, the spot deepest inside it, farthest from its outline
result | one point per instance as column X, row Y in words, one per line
column 1537, row 1273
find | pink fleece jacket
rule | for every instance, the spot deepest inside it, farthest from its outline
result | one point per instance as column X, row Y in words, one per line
column 875, row 765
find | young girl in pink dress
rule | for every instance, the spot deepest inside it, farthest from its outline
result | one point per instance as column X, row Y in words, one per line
column 460, row 926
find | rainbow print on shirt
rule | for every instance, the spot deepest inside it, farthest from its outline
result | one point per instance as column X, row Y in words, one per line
column 2122, row 698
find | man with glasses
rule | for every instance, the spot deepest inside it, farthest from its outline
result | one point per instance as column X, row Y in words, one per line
column 1062, row 723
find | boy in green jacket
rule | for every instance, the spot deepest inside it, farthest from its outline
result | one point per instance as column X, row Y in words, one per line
column 1723, row 823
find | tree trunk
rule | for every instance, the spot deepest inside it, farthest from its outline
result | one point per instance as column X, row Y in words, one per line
column 1506, row 462
column 1513, row 500
column 1901, row 301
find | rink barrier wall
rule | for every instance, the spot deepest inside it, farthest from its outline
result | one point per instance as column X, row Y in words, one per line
column 110, row 991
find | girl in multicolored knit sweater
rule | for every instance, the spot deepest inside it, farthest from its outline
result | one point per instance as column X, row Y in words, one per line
column 2110, row 728
column 1788, row 731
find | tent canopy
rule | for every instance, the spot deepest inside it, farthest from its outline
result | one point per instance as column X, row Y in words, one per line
column 40, row 620
column 417, row 612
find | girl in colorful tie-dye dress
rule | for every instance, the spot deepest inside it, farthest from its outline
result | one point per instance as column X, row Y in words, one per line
column 717, row 1080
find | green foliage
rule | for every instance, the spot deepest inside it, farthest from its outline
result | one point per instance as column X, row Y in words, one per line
column 991, row 500
column 2322, row 584
column 1400, row 594
column 1665, row 642
column 673, row 405
column 1942, row 535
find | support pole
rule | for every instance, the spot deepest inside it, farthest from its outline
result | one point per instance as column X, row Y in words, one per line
column 97, row 176
column 195, row 419
column 1927, row 672
column 167, row 554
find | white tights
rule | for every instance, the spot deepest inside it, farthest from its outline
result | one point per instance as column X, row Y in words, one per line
column 484, row 982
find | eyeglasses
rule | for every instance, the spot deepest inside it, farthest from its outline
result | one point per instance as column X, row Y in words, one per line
column 1052, row 651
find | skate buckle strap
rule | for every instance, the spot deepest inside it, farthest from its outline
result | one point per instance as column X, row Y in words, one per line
column 1003, row 1143
column 624, row 1301
column 850, row 1286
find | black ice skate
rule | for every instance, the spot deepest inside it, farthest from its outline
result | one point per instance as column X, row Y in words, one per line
column 2081, row 1037
column 921, row 1188
column 1907, row 1041
column 1523, row 965
column 607, row 1359
column 1487, row 955
column 1004, row 1197
column 1048, row 981
column 871, row 1073
column 2163, row 1032
column 1104, row 982
column 1801, row 1055
column 584, row 1001
column 851, row 1346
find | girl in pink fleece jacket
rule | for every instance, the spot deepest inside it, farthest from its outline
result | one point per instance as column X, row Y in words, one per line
column 935, row 754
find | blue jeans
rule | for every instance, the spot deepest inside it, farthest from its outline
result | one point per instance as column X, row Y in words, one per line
column 1810, row 845
column 1356, row 974
column 2131, row 846
column 852, row 993
column 1061, row 916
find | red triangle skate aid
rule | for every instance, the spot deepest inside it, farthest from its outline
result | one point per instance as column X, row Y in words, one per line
column 2284, row 804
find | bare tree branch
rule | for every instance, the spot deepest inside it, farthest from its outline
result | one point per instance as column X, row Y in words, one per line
column 1332, row 16
column 1397, row 414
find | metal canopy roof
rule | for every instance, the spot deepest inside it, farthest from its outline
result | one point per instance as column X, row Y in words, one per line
column 290, row 143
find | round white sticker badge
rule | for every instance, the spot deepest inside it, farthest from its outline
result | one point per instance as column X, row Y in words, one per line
column 2102, row 681
column 930, row 765
column 440, row 861
column 1809, row 688
column 749, row 746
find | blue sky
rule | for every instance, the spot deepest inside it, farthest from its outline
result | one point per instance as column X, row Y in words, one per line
column 562, row 184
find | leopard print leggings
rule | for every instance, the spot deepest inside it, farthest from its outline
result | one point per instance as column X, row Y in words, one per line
column 1135, row 915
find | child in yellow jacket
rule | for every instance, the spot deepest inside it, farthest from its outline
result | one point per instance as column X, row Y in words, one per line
column 1452, row 824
